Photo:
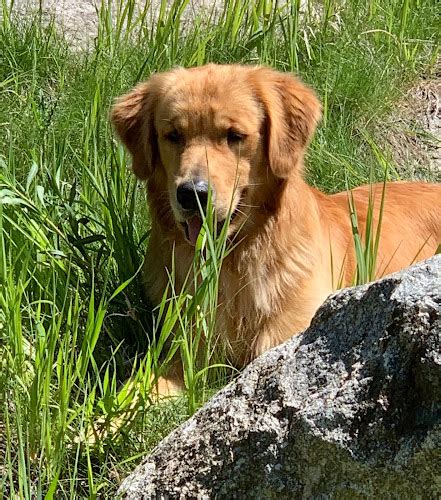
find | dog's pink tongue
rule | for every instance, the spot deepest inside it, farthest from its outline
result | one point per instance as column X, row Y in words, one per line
column 194, row 226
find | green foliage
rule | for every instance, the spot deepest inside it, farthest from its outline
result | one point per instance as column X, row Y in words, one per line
column 79, row 353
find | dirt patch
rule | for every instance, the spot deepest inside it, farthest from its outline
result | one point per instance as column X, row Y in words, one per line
column 414, row 132
column 78, row 19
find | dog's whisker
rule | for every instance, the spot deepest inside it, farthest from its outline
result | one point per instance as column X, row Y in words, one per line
column 240, row 212
column 253, row 184
column 246, row 205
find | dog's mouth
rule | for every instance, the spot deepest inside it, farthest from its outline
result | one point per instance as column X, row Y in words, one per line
column 192, row 226
column 193, row 222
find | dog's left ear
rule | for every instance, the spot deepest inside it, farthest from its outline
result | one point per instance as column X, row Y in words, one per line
column 132, row 118
column 291, row 112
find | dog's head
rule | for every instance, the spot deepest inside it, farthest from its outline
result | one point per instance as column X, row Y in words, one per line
column 239, row 131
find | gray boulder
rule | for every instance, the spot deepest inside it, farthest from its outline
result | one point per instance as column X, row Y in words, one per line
column 351, row 408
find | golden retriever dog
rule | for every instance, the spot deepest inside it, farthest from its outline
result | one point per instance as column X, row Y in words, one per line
column 243, row 131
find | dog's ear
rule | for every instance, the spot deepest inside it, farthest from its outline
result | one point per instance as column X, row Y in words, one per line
column 132, row 117
column 291, row 114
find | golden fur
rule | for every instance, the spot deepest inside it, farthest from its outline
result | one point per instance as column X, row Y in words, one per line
column 178, row 125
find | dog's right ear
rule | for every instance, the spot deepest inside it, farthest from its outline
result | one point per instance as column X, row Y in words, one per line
column 132, row 117
column 292, row 111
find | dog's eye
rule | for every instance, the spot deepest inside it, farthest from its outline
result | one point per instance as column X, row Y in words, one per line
column 173, row 136
column 233, row 136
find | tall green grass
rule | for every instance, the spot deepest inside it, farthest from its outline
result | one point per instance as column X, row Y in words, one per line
column 79, row 350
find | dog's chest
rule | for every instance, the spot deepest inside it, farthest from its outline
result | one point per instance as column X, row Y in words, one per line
column 248, row 298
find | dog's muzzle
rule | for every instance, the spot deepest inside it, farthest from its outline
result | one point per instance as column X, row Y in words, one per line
column 192, row 197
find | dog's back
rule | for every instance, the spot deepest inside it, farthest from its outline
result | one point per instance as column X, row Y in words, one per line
column 410, row 228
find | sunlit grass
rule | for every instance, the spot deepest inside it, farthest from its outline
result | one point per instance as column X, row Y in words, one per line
column 79, row 350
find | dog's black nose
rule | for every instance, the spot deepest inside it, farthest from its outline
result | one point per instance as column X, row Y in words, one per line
column 188, row 194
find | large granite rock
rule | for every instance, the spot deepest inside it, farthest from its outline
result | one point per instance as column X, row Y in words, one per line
column 349, row 409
